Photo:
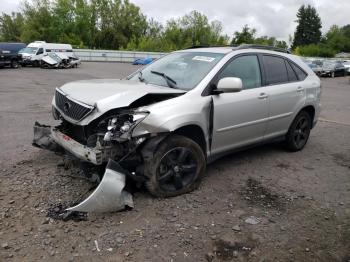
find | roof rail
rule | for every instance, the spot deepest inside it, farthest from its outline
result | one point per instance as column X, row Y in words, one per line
column 207, row 46
column 265, row 47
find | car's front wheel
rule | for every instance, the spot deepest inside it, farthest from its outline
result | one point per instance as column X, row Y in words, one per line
column 299, row 132
column 176, row 167
column 14, row 64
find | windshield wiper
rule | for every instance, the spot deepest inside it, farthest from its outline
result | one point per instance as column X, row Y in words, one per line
column 140, row 77
column 170, row 82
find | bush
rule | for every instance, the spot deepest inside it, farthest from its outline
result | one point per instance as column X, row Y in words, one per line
column 314, row 50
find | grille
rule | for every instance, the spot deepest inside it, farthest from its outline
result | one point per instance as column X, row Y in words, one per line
column 70, row 108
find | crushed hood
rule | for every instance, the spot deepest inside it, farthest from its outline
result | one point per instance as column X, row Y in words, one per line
column 113, row 93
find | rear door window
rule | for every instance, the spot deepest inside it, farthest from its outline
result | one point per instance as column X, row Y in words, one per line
column 275, row 70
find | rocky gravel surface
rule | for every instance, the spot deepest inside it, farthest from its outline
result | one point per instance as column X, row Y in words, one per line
column 263, row 204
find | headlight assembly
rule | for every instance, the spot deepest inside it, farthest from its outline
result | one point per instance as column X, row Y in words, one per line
column 120, row 126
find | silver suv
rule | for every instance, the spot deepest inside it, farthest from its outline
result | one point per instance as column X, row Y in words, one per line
column 165, row 122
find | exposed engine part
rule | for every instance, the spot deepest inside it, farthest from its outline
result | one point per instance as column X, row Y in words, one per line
column 110, row 195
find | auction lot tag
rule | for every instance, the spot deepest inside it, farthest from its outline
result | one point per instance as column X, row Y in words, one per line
column 204, row 58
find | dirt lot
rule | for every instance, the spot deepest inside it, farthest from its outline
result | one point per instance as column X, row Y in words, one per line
column 264, row 204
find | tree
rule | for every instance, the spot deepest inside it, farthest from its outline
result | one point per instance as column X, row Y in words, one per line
column 309, row 26
column 338, row 38
column 11, row 27
column 39, row 21
column 246, row 36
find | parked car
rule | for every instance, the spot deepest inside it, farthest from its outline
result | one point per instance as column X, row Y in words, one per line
column 9, row 54
column 165, row 122
column 143, row 61
column 60, row 60
column 333, row 69
column 34, row 52
column 347, row 67
column 314, row 67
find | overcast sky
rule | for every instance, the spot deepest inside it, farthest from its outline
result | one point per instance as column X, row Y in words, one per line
column 269, row 17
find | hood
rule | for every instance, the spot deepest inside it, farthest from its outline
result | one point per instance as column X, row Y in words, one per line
column 49, row 60
column 113, row 93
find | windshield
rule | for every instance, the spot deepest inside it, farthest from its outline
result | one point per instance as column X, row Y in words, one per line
column 28, row 50
column 182, row 70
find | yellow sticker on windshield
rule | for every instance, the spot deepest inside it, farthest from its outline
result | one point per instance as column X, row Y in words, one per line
column 204, row 58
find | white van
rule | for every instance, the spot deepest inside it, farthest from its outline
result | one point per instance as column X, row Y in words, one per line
column 34, row 52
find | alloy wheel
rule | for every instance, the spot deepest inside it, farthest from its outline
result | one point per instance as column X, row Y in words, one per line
column 177, row 169
column 301, row 132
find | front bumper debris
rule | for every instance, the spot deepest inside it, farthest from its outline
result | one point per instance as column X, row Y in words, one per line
column 75, row 148
column 43, row 139
column 52, row 139
column 110, row 195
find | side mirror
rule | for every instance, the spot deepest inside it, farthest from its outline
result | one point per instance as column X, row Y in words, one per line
column 229, row 85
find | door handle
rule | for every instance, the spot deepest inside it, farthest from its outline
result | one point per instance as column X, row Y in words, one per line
column 300, row 89
column 263, row 96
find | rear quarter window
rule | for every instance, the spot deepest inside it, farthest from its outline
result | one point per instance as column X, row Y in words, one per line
column 300, row 73
column 275, row 69
column 292, row 76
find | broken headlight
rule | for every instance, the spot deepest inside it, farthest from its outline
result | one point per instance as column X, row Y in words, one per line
column 119, row 127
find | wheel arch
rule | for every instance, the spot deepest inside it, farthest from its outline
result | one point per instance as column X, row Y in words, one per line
column 310, row 109
column 195, row 133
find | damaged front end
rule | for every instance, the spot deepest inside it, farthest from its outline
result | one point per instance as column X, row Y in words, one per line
column 106, row 142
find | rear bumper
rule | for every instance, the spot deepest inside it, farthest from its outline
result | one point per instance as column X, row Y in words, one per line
column 80, row 151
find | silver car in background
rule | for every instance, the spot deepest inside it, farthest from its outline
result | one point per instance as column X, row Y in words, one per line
column 164, row 123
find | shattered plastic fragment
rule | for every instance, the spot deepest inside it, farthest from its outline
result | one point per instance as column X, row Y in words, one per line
column 42, row 138
column 110, row 195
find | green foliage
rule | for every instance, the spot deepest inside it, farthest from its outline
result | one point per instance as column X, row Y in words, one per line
column 309, row 26
column 246, row 36
column 314, row 50
column 190, row 30
column 338, row 38
column 119, row 24
column 11, row 27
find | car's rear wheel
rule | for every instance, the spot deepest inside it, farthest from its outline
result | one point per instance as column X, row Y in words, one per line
column 299, row 132
column 176, row 168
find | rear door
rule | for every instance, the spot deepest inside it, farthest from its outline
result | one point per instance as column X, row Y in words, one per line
column 284, row 86
column 240, row 118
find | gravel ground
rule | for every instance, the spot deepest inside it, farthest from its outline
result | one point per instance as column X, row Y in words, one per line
column 263, row 204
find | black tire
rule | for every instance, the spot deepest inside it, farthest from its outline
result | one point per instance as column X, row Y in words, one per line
column 177, row 167
column 299, row 132
column 14, row 64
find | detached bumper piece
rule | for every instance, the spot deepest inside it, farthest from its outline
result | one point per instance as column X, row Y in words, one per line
column 52, row 139
column 110, row 195
column 43, row 139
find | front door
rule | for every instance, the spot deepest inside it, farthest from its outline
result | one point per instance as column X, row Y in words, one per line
column 240, row 118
